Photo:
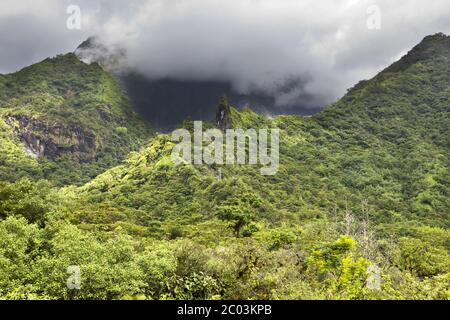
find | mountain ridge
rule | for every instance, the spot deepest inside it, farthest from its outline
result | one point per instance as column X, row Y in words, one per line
column 393, row 125
column 362, row 193
column 65, row 111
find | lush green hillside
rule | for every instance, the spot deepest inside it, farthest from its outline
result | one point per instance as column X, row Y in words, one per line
column 69, row 117
column 385, row 143
column 362, row 186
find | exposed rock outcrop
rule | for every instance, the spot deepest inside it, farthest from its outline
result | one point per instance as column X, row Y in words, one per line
column 223, row 115
column 42, row 139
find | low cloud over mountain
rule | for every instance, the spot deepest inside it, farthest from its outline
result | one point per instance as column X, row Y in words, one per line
column 300, row 54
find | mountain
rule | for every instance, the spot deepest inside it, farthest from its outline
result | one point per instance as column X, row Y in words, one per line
column 165, row 102
column 65, row 120
column 359, row 207
column 386, row 142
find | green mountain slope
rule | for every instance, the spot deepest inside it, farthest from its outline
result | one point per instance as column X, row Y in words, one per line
column 386, row 143
column 359, row 208
column 69, row 117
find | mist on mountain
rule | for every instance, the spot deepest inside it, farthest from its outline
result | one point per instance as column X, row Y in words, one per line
column 167, row 101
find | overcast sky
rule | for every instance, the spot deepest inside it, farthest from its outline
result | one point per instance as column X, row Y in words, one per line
column 327, row 45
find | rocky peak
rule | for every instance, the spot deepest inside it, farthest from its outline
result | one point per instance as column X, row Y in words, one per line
column 223, row 114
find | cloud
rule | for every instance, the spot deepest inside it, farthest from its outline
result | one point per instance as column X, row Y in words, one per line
column 32, row 31
column 300, row 51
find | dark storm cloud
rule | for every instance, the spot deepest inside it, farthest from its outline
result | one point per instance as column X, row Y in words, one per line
column 268, row 45
column 31, row 31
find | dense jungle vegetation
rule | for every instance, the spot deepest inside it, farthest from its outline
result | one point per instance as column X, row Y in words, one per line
column 359, row 208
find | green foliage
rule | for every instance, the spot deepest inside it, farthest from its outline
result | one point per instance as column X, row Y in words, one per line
column 65, row 121
column 423, row 259
column 364, row 183
column 122, row 130
column 340, row 272
column 27, row 199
